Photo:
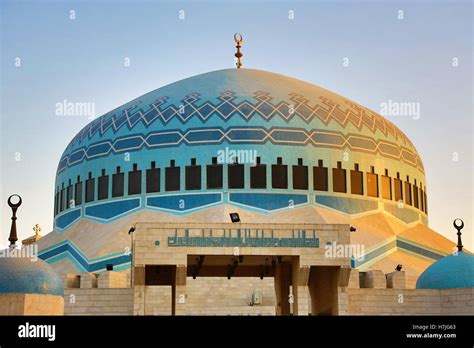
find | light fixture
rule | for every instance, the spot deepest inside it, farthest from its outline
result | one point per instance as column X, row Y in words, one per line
column 234, row 217
column 399, row 267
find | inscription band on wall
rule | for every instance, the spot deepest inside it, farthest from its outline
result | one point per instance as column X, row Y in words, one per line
column 245, row 238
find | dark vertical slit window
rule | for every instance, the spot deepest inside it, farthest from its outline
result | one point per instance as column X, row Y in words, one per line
column 279, row 175
column 78, row 191
column 357, row 183
column 408, row 198
column 56, row 195
column 426, row 201
column 90, row 183
column 236, row 175
column 118, row 183
column 61, row 197
column 59, row 200
column 214, row 175
column 422, row 201
column 193, row 176
column 320, row 177
column 258, row 175
column 103, row 190
column 398, row 188
column 153, row 178
column 372, row 183
column 386, row 183
column 172, row 177
column 339, row 178
column 300, row 176
column 69, row 196
column 416, row 203
column 135, row 181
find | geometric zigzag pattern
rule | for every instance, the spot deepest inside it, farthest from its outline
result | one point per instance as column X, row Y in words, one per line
column 67, row 249
column 120, row 260
column 191, row 106
column 255, row 135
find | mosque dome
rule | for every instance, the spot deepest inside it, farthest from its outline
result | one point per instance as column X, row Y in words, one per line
column 167, row 145
column 452, row 271
column 23, row 275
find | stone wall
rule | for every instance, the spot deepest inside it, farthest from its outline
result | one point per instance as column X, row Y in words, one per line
column 214, row 296
column 97, row 301
column 410, row 301
column 30, row 304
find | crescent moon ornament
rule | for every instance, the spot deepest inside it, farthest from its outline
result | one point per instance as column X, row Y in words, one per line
column 238, row 40
column 459, row 227
column 456, row 226
column 14, row 205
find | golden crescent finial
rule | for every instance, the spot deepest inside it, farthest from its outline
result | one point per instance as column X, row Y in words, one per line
column 238, row 40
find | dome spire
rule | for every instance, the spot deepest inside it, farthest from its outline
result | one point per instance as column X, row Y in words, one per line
column 238, row 40
column 459, row 228
column 13, row 236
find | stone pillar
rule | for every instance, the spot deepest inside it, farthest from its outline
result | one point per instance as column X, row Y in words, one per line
column 139, row 290
column 323, row 289
column 300, row 276
column 112, row 279
column 342, row 296
column 354, row 281
column 88, row 280
column 72, row 281
column 396, row 280
column 374, row 279
column 282, row 288
column 178, row 291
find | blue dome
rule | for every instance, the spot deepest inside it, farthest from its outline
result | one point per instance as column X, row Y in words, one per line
column 164, row 142
column 22, row 275
column 453, row 271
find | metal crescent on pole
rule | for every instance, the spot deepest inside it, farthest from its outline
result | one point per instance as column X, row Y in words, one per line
column 14, row 205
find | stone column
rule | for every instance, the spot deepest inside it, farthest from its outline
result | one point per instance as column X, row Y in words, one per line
column 323, row 289
column 139, row 290
column 178, row 291
column 300, row 276
column 282, row 288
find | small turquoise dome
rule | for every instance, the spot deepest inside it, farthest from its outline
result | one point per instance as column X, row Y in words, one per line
column 452, row 271
column 22, row 275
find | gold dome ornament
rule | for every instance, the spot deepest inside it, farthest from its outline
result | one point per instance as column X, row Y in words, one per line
column 238, row 40
column 35, row 238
